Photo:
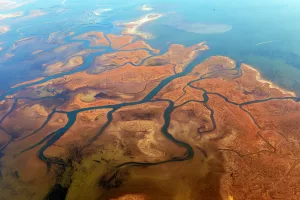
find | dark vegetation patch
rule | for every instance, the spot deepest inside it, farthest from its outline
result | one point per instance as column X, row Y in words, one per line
column 49, row 102
column 103, row 95
column 75, row 153
column 16, row 174
column 190, row 112
column 97, row 69
column 63, row 171
column 133, row 115
column 258, row 91
column 57, row 192
column 156, row 62
column 217, row 67
column 111, row 180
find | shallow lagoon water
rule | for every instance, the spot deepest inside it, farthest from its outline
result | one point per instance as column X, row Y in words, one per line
column 261, row 33
column 264, row 34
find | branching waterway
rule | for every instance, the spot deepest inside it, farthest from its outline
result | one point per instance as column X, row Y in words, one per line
column 53, row 137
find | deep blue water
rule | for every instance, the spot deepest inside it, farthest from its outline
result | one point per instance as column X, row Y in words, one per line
column 253, row 23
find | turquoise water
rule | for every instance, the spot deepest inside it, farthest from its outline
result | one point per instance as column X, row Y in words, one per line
column 264, row 34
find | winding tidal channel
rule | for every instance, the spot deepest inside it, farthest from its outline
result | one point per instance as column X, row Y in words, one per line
column 52, row 138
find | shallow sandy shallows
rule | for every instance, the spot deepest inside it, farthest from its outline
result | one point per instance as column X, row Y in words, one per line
column 4, row 29
column 95, row 38
column 146, row 8
column 10, row 15
column 8, row 4
column 134, row 26
column 204, row 28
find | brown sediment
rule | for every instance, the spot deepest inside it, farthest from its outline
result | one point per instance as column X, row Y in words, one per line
column 28, row 82
column 140, row 44
column 86, row 52
column 235, row 87
column 196, row 179
column 190, row 94
column 62, row 54
column 131, row 197
column 176, row 89
column 269, row 83
column 126, row 75
column 25, row 176
column 74, row 61
column 142, row 124
column 134, row 135
column 59, row 67
column 137, row 81
column 239, row 137
column 85, row 128
column 78, row 101
column 242, row 131
column 278, row 115
column 35, row 113
column 95, row 38
column 58, row 37
column 65, row 47
column 118, row 41
column 178, row 55
column 63, row 58
column 108, row 62
column 5, row 107
column 124, row 84
column 190, row 119
column 4, row 139
column 235, row 129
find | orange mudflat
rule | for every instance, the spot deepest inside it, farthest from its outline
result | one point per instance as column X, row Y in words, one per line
column 139, row 125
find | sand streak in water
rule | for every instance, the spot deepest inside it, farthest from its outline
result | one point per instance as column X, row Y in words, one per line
column 267, row 42
column 146, row 8
column 134, row 27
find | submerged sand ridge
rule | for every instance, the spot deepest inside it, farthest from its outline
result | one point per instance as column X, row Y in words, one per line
column 142, row 125
column 133, row 27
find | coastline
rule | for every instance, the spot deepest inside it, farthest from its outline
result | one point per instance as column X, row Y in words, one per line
column 261, row 79
column 28, row 82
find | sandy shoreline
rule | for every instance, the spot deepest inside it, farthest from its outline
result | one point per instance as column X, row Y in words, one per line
column 260, row 78
column 28, row 82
